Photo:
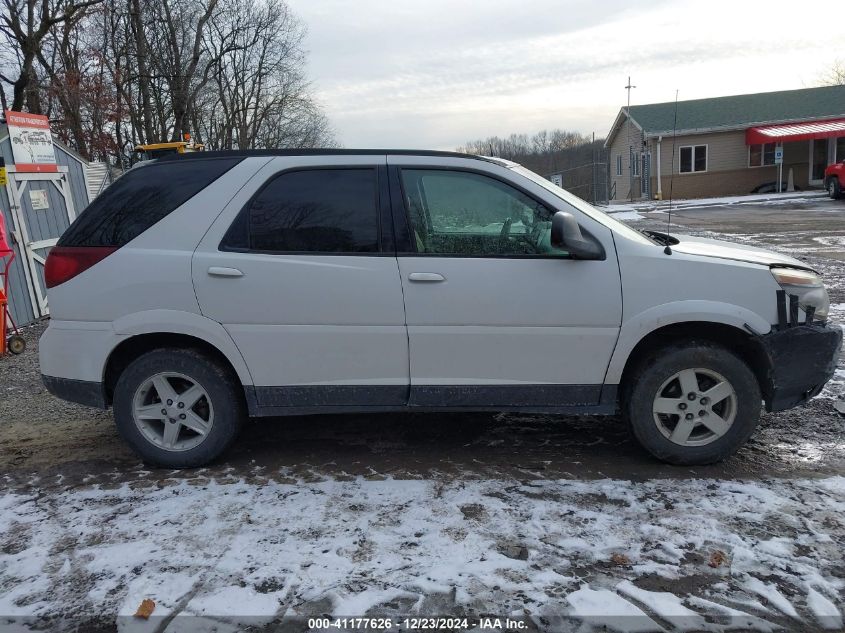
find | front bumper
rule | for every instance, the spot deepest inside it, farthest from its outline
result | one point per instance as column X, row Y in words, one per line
column 801, row 359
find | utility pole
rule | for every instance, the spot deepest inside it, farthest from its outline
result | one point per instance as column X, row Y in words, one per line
column 630, row 145
column 593, row 168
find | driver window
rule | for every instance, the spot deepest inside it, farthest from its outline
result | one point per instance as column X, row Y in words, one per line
column 463, row 213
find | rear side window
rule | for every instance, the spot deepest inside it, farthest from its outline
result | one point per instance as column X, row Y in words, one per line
column 140, row 198
column 314, row 210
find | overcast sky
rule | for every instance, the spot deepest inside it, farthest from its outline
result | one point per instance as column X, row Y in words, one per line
column 437, row 73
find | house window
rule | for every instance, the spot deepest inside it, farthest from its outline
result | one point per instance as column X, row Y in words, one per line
column 760, row 155
column 619, row 165
column 635, row 163
column 693, row 159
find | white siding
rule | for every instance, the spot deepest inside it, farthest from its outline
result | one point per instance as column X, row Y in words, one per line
column 95, row 178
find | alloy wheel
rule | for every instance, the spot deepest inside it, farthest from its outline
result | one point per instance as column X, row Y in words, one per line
column 695, row 407
column 173, row 411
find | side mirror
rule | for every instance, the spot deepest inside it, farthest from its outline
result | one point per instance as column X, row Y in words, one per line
column 567, row 236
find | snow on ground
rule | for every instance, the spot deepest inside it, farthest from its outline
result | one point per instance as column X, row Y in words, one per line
column 837, row 312
column 836, row 387
column 795, row 243
column 629, row 216
column 685, row 554
column 694, row 203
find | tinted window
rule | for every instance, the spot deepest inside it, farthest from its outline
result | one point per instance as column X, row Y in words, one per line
column 140, row 198
column 463, row 213
column 316, row 210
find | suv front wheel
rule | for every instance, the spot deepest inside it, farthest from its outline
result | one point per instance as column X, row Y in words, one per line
column 177, row 408
column 693, row 403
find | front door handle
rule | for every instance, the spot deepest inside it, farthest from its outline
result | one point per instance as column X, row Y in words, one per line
column 220, row 271
column 426, row 277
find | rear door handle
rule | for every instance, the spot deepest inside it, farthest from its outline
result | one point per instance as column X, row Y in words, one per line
column 220, row 271
column 426, row 277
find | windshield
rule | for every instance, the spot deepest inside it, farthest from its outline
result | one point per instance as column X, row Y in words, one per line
column 585, row 207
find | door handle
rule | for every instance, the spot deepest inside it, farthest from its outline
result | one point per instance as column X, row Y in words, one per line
column 426, row 277
column 220, row 271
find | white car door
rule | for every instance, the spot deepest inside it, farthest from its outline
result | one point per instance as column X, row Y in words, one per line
column 496, row 316
column 300, row 271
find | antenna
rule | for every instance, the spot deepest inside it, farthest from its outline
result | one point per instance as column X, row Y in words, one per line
column 630, row 145
column 668, row 249
column 628, row 88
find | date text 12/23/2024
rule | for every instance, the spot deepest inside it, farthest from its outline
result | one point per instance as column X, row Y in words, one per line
column 417, row 624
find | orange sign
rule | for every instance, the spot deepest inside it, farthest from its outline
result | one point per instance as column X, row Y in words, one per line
column 32, row 143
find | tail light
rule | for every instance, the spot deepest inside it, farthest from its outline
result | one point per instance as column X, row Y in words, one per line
column 66, row 262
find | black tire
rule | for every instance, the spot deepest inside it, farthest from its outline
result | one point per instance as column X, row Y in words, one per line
column 650, row 376
column 16, row 344
column 222, row 389
column 834, row 190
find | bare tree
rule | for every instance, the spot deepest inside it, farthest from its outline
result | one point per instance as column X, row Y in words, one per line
column 73, row 81
column 835, row 76
column 577, row 157
column 259, row 95
column 178, row 55
column 115, row 73
column 25, row 24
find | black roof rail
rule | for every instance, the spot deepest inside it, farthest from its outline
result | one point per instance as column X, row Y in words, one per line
column 246, row 153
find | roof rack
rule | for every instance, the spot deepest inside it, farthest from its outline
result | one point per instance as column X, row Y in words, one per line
column 317, row 152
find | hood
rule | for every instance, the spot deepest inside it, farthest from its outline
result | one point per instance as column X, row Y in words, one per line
column 729, row 250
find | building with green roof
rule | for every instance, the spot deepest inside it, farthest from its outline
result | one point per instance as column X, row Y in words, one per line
column 726, row 145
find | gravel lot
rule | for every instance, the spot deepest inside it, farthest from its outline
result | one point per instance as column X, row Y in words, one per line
column 563, row 522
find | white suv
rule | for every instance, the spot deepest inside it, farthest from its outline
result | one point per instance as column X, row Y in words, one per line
column 203, row 288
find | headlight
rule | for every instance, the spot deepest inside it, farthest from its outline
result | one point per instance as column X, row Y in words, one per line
column 808, row 286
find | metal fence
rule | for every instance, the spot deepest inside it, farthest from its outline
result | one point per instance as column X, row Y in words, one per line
column 590, row 180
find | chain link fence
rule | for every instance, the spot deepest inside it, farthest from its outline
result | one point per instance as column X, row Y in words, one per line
column 589, row 180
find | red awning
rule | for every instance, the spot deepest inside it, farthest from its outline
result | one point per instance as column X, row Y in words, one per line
column 794, row 132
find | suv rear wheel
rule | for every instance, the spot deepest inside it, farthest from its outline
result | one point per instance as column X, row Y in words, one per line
column 177, row 408
column 834, row 190
column 694, row 403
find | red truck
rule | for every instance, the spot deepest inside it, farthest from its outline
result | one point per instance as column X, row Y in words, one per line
column 834, row 179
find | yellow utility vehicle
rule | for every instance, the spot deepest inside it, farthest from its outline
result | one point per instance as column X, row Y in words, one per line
column 157, row 150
